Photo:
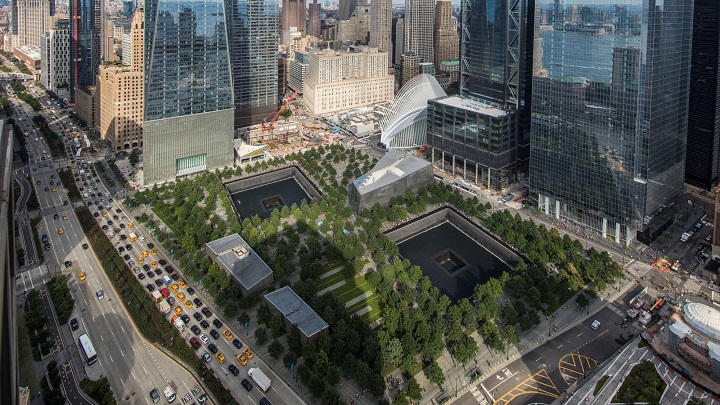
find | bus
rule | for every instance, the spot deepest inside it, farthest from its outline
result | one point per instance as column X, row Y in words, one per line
column 79, row 152
column 87, row 349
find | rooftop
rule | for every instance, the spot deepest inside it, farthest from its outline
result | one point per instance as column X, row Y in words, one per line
column 240, row 260
column 468, row 104
column 296, row 311
column 391, row 167
column 704, row 318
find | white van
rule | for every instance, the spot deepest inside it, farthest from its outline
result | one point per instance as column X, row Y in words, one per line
column 595, row 325
column 169, row 393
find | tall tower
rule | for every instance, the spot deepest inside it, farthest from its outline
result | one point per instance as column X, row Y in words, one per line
column 381, row 26
column 253, row 29
column 608, row 138
column 188, row 89
column 346, row 8
column 85, row 50
column 314, row 23
column 447, row 42
column 419, row 25
column 34, row 19
column 293, row 15
column 702, row 163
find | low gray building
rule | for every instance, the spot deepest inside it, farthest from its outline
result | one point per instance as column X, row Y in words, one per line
column 395, row 174
column 296, row 312
column 240, row 262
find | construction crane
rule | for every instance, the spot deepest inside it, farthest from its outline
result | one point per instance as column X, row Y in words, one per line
column 269, row 126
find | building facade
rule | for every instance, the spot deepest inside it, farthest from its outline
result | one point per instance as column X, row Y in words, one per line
column 298, row 70
column 314, row 23
column 293, row 15
column 85, row 43
column 419, row 27
column 34, row 19
column 381, row 26
column 337, row 81
column 346, row 8
column 188, row 89
column 55, row 57
column 398, row 41
column 702, row 162
column 122, row 93
column 253, row 29
column 447, row 41
column 608, row 138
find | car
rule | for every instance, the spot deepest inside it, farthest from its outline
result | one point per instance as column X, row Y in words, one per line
column 155, row 396
column 111, row 235
column 208, row 313
column 104, row 214
column 205, row 324
column 150, row 246
column 122, row 236
column 100, row 294
column 144, row 253
column 122, row 226
column 153, row 264
column 121, row 249
column 61, row 231
column 141, row 239
column 47, row 188
column 171, row 300
column 56, row 216
column 595, row 325
column 214, row 334
column 104, row 227
column 131, row 263
column 246, row 384
column 128, row 246
column 150, row 274
column 85, row 246
column 74, row 325
column 158, row 272
column 195, row 330
column 68, row 264
column 242, row 359
column 96, row 214
column 141, row 276
column 153, row 252
column 185, row 318
column 197, row 316
column 188, row 304
column 194, row 343
column 174, row 277
column 110, row 222
column 64, row 217
column 146, row 267
column 159, row 283
column 150, row 287
column 180, row 296
column 174, row 287
column 182, row 284
column 140, row 260
column 248, row 353
column 197, row 302
column 204, row 338
column 178, row 310
column 237, row 343
column 162, row 262
column 217, row 323
column 190, row 290
column 130, row 224
column 126, row 257
column 234, row 370
column 213, row 349
column 228, row 335
column 220, row 358
column 169, row 269
column 207, row 357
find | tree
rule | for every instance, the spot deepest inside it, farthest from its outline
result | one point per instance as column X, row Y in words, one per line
column 261, row 335
column 414, row 391
column 243, row 317
column 434, row 373
column 465, row 349
column 509, row 337
column 582, row 300
column 276, row 349
column 394, row 351
column 277, row 324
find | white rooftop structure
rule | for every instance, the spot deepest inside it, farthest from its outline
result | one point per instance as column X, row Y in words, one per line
column 395, row 165
column 468, row 104
column 680, row 328
column 704, row 318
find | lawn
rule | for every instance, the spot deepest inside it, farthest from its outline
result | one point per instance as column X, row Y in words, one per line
column 355, row 287
column 643, row 384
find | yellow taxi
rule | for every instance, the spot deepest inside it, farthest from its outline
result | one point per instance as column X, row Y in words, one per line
column 178, row 310
column 153, row 263
column 140, row 260
column 130, row 225
column 228, row 335
column 248, row 353
column 242, row 359
column 219, row 356
column 82, row 276
column 182, row 284
column 61, row 231
column 180, row 296
column 144, row 253
column 53, row 189
column 72, row 167
column 174, row 287
column 188, row 304
column 104, row 214
column 153, row 252
column 65, row 217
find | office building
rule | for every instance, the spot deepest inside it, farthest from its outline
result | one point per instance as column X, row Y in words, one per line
column 126, row 57
column 298, row 70
column 188, row 89
column 398, row 41
column 346, row 8
column 447, row 41
column 419, row 27
column 357, row 28
column 239, row 261
column 702, row 162
column 314, row 24
column 343, row 80
column 381, row 26
column 608, row 137
column 293, row 15
column 33, row 19
column 87, row 105
column 55, row 57
column 122, row 94
column 409, row 67
column 253, row 31
column 85, row 42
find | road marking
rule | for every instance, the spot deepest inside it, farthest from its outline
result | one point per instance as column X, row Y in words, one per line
column 111, row 359
column 560, row 346
column 538, row 359
column 503, row 380
column 579, row 334
column 253, row 401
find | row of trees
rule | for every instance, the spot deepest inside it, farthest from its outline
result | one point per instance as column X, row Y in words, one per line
column 36, row 324
column 61, row 298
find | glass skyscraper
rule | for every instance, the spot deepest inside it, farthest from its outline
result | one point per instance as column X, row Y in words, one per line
column 188, row 89
column 85, row 44
column 253, row 32
column 609, row 112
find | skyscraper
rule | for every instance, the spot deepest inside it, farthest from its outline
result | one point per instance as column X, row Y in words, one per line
column 34, row 19
column 85, row 50
column 447, row 42
column 55, row 57
column 188, row 89
column 314, row 26
column 346, row 8
column 609, row 113
column 293, row 15
column 702, row 164
column 419, row 25
column 253, row 31
column 381, row 26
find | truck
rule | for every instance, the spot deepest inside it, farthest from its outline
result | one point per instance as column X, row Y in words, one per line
column 164, row 307
column 132, row 237
column 685, row 236
column 156, row 296
column 178, row 323
column 260, row 378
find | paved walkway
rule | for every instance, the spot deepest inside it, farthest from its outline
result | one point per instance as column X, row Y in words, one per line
column 332, row 287
column 358, row 298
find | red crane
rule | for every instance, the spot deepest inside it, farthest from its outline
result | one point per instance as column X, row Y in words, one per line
column 267, row 126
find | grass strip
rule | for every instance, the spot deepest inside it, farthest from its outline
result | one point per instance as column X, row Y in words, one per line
column 68, row 181
column 38, row 246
